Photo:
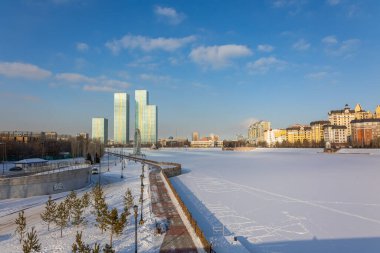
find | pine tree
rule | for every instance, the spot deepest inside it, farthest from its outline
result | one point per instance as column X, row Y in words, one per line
column 21, row 225
column 96, row 248
column 49, row 214
column 77, row 212
column 86, row 200
column 31, row 243
column 79, row 246
column 69, row 201
column 61, row 216
column 128, row 201
column 115, row 223
column 100, row 206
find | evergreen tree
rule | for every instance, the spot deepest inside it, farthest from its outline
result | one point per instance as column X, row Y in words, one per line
column 96, row 248
column 100, row 206
column 77, row 212
column 49, row 214
column 128, row 201
column 21, row 225
column 115, row 223
column 69, row 202
column 86, row 200
column 79, row 246
column 31, row 243
column 61, row 216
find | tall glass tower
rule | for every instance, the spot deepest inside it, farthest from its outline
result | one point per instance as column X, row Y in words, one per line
column 146, row 117
column 121, row 118
column 100, row 129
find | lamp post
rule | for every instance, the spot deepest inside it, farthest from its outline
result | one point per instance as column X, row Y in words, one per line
column 4, row 152
column 122, row 169
column 135, row 209
column 142, row 203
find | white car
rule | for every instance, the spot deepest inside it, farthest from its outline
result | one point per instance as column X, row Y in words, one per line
column 94, row 170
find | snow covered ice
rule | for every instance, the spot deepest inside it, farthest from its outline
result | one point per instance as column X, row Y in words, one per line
column 282, row 200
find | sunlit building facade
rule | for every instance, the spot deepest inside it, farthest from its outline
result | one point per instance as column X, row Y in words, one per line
column 121, row 118
column 146, row 117
column 100, row 129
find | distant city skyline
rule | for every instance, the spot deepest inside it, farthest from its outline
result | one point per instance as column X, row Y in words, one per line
column 284, row 61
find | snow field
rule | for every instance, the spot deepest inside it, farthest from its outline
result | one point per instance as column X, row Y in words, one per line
column 282, row 200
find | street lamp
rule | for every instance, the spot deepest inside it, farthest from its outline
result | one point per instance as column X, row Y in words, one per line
column 142, row 203
column 142, row 177
column 4, row 154
column 122, row 169
column 135, row 209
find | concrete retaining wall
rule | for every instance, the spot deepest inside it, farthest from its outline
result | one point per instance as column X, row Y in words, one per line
column 23, row 187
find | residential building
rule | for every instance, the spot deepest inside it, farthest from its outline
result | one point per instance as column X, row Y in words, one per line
column 346, row 115
column 317, row 134
column 279, row 135
column 365, row 132
column 269, row 137
column 195, row 136
column 100, row 130
column 146, row 117
column 121, row 118
column 377, row 112
column 51, row 136
column 298, row 134
column 83, row 135
column 335, row 134
column 256, row 131
column 206, row 144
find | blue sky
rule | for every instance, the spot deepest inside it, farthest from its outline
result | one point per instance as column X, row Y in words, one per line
column 210, row 66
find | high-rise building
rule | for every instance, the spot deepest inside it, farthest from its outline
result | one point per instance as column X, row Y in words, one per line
column 256, row 131
column 146, row 117
column 121, row 118
column 100, row 129
column 298, row 134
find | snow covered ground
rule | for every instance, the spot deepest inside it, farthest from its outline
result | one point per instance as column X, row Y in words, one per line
column 282, row 200
column 114, row 189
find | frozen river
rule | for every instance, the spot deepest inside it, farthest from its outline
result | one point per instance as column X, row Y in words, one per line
column 282, row 200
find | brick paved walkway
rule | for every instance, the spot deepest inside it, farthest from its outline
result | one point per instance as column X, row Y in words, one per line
column 177, row 238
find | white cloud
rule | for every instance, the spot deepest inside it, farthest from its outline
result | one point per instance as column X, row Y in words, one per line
column 148, row 44
column 330, row 40
column 317, row 75
column 169, row 15
column 82, row 47
column 301, row 45
column 264, row 64
column 74, row 78
column 101, row 83
column 155, row 78
column 345, row 48
column 218, row 56
column 265, row 48
column 23, row 70
column 333, row 2
column 99, row 88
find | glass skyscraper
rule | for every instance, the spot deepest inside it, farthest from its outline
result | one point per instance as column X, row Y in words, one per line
column 121, row 118
column 146, row 117
column 100, row 129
